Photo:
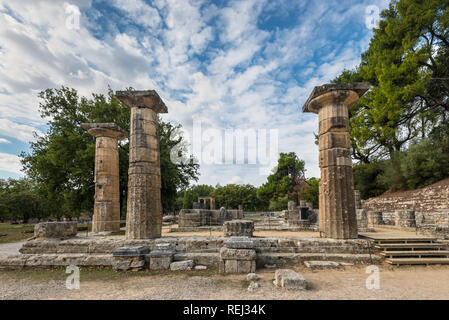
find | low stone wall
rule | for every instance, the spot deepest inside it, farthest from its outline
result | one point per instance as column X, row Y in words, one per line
column 200, row 217
column 194, row 244
column 50, row 230
column 428, row 200
column 97, row 252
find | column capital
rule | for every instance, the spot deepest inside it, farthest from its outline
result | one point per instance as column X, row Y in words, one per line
column 142, row 99
column 348, row 94
column 110, row 130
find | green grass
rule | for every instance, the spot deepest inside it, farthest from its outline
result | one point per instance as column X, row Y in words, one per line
column 14, row 232
column 94, row 274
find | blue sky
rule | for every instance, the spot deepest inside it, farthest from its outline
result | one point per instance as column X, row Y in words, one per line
column 245, row 64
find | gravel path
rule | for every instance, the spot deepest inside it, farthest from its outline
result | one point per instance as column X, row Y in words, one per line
column 348, row 283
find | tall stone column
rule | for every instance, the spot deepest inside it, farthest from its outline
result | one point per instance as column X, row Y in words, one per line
column 332, row 102
column 144, row 208
column 107, row 195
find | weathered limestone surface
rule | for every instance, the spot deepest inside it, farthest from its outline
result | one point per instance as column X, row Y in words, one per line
column 161, row 257
column 144, row 216
column 238, row 256
column 358, row 199
column 189, row 218
column 238, row 228
column 290, row 280
column 55, row 230
column 130, row 258
column 429, row 200
column 107, row 194
column 362, row 220
column 375, row 218
column 405, row 219
column 182, row 265
column 332, row 102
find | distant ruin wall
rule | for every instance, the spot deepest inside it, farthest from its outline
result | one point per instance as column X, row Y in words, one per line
column 431, row 204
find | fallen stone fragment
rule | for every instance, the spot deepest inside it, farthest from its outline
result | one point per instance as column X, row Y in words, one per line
column 181, row 265
column 200, row 267
column 253, row 286
column 321, row 264
column 252, row 277
column 290, row 280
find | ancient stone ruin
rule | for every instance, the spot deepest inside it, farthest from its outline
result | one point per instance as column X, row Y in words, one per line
column 195, row 218
column 107, row 194
column 337, row 205
column 144, row 207
column 302, row 217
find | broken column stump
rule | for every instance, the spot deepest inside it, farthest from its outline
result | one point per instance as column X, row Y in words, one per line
column 144, row 215
column 107, row 193
column 238, row 228
column 337, row 205
column 238, row 256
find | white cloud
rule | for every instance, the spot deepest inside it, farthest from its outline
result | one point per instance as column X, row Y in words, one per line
column 249, row 75
column 5, row 141
column 20, row 132
column 10, row 163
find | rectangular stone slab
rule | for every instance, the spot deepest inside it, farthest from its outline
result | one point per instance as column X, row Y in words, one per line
column 130, row 251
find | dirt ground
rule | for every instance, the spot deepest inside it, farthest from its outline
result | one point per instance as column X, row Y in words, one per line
column 416, row 282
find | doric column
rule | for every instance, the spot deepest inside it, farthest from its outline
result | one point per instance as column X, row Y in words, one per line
column 107, row 194
column 337, row 205
column 144, row 208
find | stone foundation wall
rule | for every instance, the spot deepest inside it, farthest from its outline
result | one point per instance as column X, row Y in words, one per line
column 194, row 244
column 434, row 198
column 199, row 217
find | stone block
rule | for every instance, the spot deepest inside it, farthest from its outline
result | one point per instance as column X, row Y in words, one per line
column 161, row 257
column 55, row 230
column 236, row 228
column 321, row 264
column 290, row 280
column 130, row 251
column 181, row 265
column 237, row 254
column 252, row 277
column 239, row 243
column 237, row 260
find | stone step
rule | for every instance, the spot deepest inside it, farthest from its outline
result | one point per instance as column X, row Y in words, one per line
column 56, row 260
column 410, row 246
column 417, row 261
column 286, row 258
column 417, row 254
column 405, row 240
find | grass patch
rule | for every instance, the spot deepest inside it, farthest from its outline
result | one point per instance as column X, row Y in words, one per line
column 96, row 274
column 15, row 232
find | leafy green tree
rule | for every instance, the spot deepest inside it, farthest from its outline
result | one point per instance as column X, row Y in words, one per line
column 19, row 201
column 284, row 181
column 232, row 195
column 62, row 161
column 311, row 194
column 191, row 194
column 407, row 65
